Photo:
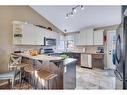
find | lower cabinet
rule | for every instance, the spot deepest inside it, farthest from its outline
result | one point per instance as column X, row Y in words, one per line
column 86, row 60
column 98, row 61
column 75, row 56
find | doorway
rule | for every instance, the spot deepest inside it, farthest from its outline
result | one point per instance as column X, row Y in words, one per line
column 111, row 43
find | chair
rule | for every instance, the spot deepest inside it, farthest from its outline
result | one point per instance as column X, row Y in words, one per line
column 13, row 71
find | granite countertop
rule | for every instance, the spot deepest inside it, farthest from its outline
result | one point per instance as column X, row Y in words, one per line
column 80, row 52
column 39, row 57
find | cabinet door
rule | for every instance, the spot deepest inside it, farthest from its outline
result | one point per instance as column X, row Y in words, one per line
column 82, row 37
column 89, row 37
column 28, row 34
column 39, row 36
column 89, row 60
column 76, row 39
column 98, row 37
column 84, row 60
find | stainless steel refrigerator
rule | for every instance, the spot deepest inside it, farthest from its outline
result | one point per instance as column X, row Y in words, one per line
column 121, row 51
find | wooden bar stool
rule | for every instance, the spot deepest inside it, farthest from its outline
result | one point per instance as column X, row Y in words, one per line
column 30, row 70
column 21, row 68
column 44, row 77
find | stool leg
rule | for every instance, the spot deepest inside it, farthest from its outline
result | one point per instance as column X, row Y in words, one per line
column 36, row 84
column 13, row 83
column 48, row 83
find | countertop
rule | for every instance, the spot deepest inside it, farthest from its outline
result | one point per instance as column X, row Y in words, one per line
column 80, row 52
column 39, row 57
column 46, row 58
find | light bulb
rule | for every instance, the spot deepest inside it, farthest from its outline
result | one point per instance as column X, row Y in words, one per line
column 71, row 13
column 66, row 16
column 82, row 7
column 74, row 10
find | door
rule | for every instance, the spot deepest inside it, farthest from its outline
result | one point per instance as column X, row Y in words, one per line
column 111, row 43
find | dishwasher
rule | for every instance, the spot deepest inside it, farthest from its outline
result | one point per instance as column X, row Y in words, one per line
column 86, row 60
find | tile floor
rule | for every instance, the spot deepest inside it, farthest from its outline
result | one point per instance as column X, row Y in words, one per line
column 95, row 79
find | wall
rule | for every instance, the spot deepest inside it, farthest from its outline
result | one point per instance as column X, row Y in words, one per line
column 7, row 15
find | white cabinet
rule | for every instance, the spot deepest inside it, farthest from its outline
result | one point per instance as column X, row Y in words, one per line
column 29, row 34
column 86, row 60
column 85, row 37
column 82, row 38
column 29, row 37
column 89, row 60
column 89, row 37
column 98, row 37
column 77, row 39
column 17, row 33
column 39, row 36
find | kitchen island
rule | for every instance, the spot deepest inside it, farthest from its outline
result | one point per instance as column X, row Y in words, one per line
column 65, row 69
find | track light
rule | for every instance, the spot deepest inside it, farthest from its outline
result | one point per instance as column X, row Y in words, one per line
column 71, row 13
column 66, row 16
column 74, row 9
column 82, row 7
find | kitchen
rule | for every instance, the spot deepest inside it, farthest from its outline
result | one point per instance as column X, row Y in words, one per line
column 33, row 36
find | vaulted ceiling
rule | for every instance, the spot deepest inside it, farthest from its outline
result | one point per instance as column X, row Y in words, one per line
column 95, row 16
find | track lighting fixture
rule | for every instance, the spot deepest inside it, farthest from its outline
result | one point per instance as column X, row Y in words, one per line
column 74, row 9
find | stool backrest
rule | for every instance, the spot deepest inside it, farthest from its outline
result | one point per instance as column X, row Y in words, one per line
column 14, row 60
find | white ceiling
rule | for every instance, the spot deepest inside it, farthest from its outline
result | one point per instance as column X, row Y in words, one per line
column 96, row 16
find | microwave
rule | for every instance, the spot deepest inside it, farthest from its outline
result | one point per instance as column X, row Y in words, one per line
column 49, row 41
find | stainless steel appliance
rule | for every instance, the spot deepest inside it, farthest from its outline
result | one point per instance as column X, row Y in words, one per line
column 49, row 41
column 48, row 51
column 121, row 52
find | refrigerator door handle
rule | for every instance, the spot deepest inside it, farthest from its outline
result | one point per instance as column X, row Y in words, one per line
column 118, row 75
column 118, row 49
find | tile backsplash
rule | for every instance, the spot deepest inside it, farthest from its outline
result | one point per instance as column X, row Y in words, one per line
column 23, row 48
column 87, row 49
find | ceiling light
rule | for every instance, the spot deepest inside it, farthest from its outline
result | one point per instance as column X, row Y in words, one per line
column 71, row 13
column 82, row 7
column 74, row 10
column 66, row 16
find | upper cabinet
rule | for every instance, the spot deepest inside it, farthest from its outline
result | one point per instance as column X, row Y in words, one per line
column 85, row 37
column 29, row 34
column 98, row 37
column 89, row 37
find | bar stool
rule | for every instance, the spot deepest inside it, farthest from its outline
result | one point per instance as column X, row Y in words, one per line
column 21, row 68
column 16, row 65
column 45, row 76
column 30, row 70
column 16, row 62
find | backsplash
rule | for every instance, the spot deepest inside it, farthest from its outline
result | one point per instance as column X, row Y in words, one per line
column 87, row 49
column 23, row 48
